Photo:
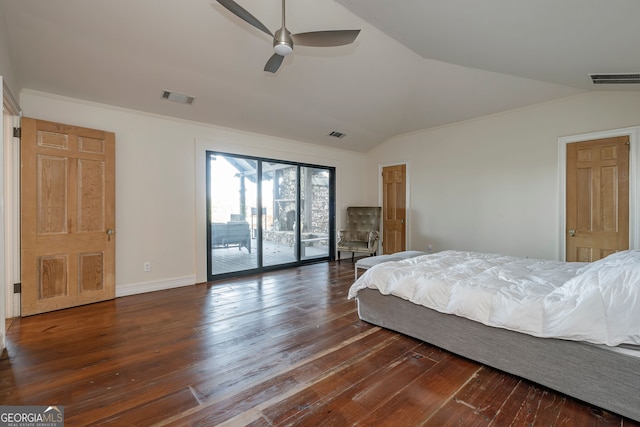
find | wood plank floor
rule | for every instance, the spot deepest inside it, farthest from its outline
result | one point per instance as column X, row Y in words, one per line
column 283, row 348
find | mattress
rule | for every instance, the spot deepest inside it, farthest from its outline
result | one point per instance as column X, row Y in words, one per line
column 597, row 302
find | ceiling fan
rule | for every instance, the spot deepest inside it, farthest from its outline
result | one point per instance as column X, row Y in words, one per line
column 283, row 40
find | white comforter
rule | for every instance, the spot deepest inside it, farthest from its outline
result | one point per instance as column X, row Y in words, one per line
column 597, row 302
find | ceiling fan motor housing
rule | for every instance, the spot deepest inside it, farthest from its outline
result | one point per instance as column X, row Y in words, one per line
column 282, row 42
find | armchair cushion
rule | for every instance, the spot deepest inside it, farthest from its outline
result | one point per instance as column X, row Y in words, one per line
column 345, row 236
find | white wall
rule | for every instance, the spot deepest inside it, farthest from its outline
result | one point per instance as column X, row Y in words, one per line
column 6, row 65
column 160, row 215
column 488, row 184
column 491, row 184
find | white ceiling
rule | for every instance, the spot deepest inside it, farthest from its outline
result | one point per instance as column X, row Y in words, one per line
column 416, row 64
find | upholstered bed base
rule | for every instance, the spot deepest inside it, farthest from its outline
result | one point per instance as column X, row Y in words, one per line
column 608, row 377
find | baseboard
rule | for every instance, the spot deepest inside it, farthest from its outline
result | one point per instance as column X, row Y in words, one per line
column 155, row 285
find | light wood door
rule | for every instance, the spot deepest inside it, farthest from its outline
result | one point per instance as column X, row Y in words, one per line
column 597, row 198
column 68, row 216
column 394, row 189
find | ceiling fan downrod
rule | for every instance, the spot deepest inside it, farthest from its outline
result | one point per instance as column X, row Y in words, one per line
column 282, row 41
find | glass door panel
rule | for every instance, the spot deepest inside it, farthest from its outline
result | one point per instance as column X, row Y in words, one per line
column 314, row 200
column 279, row 235
column 233, row 191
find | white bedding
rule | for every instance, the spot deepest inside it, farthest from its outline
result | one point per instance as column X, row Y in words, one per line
column 597, row 302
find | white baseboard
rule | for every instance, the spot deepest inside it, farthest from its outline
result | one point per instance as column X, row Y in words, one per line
column 155, row 285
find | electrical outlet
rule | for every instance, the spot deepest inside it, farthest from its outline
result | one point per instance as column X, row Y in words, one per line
column 147, row 266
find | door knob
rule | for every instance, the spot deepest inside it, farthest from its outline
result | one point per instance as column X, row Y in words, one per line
column 572, row 232
column 109, row 234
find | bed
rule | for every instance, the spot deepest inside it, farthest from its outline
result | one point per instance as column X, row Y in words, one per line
column 572, row 327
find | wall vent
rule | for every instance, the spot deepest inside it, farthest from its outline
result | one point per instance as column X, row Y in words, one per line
column 178, row 97
column 615, row 79
column 337, row 134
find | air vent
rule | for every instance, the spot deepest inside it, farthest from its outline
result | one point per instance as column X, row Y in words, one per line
column 615, row 79
column 337, row 134
column 178, row 97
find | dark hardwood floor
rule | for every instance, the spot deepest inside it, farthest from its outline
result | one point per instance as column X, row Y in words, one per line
column 283, row 348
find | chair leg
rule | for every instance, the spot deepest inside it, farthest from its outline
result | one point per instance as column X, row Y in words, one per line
column 353, row 256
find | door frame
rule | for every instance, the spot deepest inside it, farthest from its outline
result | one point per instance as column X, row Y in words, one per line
column 407, row 219
column 634, row 198
column 10, row 170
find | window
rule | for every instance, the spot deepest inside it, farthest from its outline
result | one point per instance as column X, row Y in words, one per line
column 267, row 214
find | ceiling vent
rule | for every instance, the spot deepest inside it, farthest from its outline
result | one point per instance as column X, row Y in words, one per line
column 177, row 97
column 337, row 134
column 615, row 79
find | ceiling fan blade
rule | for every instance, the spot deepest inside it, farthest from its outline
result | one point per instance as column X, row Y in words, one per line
column 274, row 63
column 325, row 38
column 241, row 13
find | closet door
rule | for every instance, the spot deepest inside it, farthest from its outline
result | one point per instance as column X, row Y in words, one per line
column 68, row 216
column 597, row 198
column 394, row 182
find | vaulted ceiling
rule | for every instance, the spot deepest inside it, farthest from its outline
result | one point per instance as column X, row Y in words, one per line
column 416, row 63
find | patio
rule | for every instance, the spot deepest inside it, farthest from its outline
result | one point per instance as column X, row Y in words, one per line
column 232, row 259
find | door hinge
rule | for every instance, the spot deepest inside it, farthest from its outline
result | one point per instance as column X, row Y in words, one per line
column 17, row 132
column 17, row 288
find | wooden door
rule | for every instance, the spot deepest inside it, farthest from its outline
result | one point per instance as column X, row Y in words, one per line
column 68, row 216
column 394, row 189
column 597, row 198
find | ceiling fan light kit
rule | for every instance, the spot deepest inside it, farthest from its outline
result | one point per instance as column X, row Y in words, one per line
column 282, row 49
column 283, row 40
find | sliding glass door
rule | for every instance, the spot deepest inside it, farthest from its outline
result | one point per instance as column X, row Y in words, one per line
column 279, row 236
column 232, row 191
column 267, row 214
column 314, row 197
